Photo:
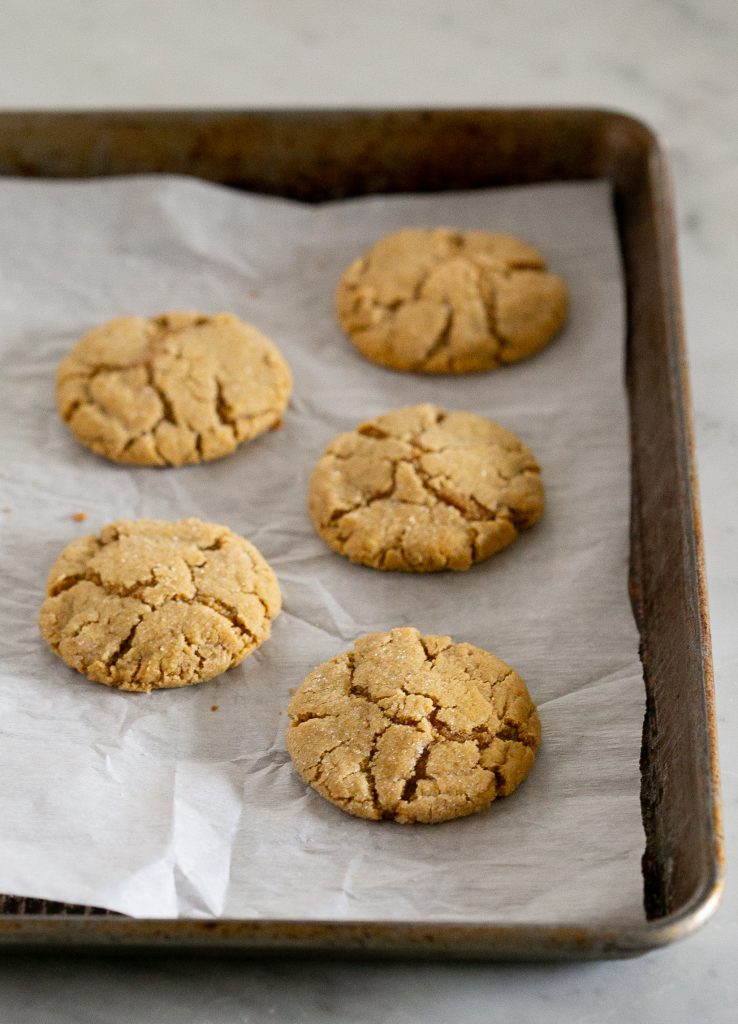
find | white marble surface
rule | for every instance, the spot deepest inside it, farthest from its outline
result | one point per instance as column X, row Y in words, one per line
column 670, row 63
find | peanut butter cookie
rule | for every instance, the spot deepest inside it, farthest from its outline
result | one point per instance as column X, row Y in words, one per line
column 414, row 728
column 175, row 389
column 435, row 300
column 150, row 604
column 421, row 490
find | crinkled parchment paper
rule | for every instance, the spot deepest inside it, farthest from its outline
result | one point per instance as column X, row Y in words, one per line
column 157, row 805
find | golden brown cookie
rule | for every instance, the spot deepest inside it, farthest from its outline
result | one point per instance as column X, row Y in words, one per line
column 421, row 490
column 414, row 728
column 435, row 300
column 179, row 388
column 150, row 604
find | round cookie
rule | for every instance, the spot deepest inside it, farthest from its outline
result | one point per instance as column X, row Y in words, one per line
column 149, row 605
column 178, row 388
column 435, row 300
column 413, row 728
column 420, row 490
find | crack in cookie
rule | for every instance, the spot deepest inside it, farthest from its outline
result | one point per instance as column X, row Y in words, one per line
column 413, row 728
column 178, row 388
column 421, row 490
column 149, row 604
column 433, row 300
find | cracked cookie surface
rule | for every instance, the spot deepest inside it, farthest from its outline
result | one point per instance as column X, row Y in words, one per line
column 433, row 300
column 148, row 604
column 421, row 490
column 177, row 388
column 413, row 728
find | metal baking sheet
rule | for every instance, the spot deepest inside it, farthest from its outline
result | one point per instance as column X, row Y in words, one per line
column 325, row 155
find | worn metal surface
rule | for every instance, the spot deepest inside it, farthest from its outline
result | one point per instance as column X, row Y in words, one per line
column 322, row 155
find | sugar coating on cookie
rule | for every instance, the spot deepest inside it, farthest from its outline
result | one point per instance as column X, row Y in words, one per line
column 413, row 728
column 148, row 604
column 177, row 388
column 434, row 300
column 420, row 490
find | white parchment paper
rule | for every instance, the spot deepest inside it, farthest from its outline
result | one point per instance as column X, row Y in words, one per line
column 156, row 805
